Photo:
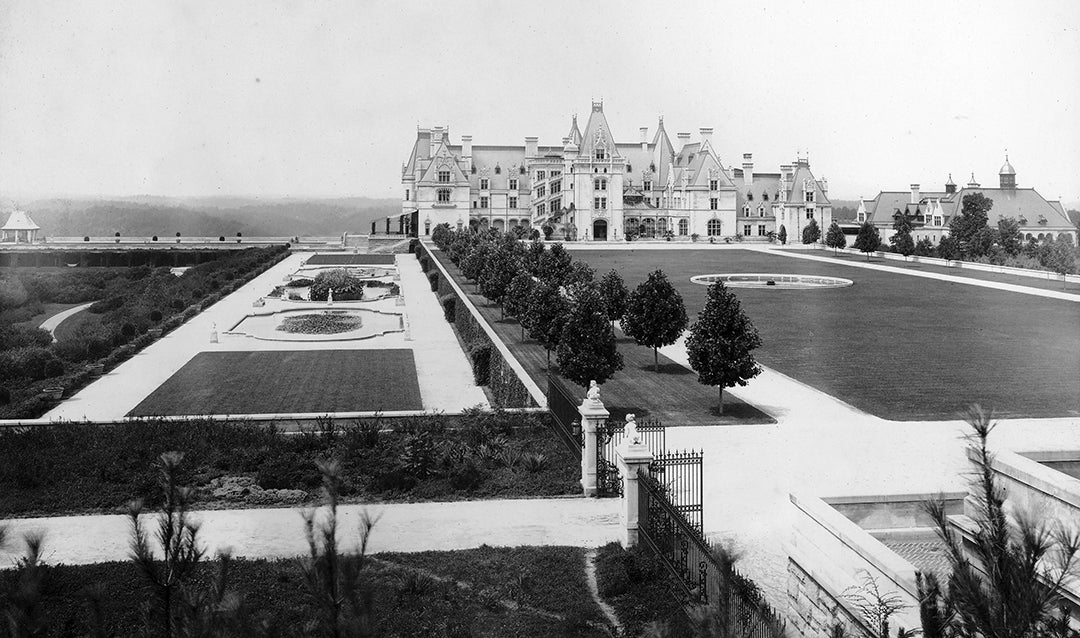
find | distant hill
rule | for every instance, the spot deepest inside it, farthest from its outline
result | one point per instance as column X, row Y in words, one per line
column 207, row 216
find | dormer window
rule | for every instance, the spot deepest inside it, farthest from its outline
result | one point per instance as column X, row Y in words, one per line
column 646, row 186
column 652, row 168
column 746, row 210
column 444, row 177
column 749, row 196
column 760, row 211
column 484, row 184
column 765, row 197
column 513, row 184
column 1023, row 220
column 629, row 168
column 600, row 153
column 713, row 184
column 809, row 195
column 521, row 171
column 1042, row 220
column 498, row 169
column 473, row 170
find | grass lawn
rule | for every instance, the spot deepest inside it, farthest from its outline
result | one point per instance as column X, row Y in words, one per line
column 496, row 592
column 69, row 328
column 321, row 259
column 674, row 396
column 48, row 310
column 288, row 382
column 1053, row 282
column 903, row 348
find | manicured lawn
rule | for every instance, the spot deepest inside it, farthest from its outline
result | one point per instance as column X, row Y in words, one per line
column 671, row 395
column 350, row 260
column 288, row 382
column 903, row 348
column 496, row 592
column 71, row 327
column 1045, row 281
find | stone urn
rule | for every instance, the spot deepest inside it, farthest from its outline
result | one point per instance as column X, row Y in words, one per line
column 96, row 369
column 154, row 332
column 53, row 392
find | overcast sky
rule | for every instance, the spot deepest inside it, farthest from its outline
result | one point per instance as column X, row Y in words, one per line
column 323, row 98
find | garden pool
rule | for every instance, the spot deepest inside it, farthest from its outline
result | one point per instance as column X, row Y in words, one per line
column 368, row 324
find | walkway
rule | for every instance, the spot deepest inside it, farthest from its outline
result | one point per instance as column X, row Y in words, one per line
column 53, row 322
column 279, row 533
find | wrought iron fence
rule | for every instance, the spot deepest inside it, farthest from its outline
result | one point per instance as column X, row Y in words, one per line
column 697, row 576
column 680, row 476
column 564, row 409
column 608, row 437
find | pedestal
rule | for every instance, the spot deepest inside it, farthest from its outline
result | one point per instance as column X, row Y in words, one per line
column 632, row 457
column 593, row 415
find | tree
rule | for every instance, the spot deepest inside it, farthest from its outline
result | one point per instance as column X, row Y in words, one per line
column 1008, row 578
column 587, row 349
column 554, row 265
column 614, row 293
column 924, row 247
column 1009, row 236
column 546, row 315
column 947, row 248
column 868, row 240
column 655, row 314
column 533, row 254
column 835, row 238
column 1061, row 258
column 579, row 274
column 973, row 217
column 811, row 233
column 782, row 235
column 721, row 341
column 516, row 300
column 902, row 242
column 502, row 265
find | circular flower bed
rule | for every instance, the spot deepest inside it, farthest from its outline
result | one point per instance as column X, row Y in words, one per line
column 320, row 324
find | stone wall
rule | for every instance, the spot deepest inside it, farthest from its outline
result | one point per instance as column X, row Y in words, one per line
column 813, row 611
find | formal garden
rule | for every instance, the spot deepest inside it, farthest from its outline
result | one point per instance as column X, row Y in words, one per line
column 132, row 307
column 543, row 305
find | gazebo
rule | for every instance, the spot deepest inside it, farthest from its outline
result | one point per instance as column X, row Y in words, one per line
column 19, row 228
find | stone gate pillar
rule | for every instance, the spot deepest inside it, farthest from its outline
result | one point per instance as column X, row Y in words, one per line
column 633, row 456
column 593, row 415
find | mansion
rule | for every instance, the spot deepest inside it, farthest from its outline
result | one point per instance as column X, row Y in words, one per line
column 593, row 188
column 931, row 212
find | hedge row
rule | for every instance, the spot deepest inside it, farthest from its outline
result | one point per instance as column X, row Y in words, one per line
column 489, row 366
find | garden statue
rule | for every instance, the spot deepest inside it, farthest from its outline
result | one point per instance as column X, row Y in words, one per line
column 631, row 430
column 213, row 333
column 330, row 297
column 593, row 395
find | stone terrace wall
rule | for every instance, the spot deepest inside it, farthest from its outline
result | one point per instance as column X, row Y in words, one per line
column 813, row 611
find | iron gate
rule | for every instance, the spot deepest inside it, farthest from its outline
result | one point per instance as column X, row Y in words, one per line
column 608, row 437
column 564, row 412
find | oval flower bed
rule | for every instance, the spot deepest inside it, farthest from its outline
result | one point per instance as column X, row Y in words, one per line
column 320, row 324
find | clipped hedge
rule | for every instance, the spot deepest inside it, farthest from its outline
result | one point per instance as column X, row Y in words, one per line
column 433, row 279
column 449, row 304
column 480, row 357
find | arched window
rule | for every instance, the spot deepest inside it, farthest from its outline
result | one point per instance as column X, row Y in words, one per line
column 662, row 225
column 713, row 228
column 650, row 227
column 684, row 227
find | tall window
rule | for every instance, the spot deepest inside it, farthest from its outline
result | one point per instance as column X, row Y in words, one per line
column 443, row 195
column 809, row 213
column 600, row 203
column 406, row 194
column 555, row 174
column 600, row 153
column 556, row 186
column 647, row 186
column 600, row 184
column 810, row 195
column 484, row 202
column 539, row 174
column 512, row 202
column 541, row 191
column 556, row 204
column 484, row 183
column 761, row 230
column 760, row 211
column 714, row 203
column 712, row 184
column 684, row 227
column 541, row 209
column 513, row 184
column 444, row 177
column 746, row 230
column 713, row 228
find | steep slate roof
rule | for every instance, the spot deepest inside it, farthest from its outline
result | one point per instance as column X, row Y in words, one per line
column 763, row 184
column 443, row 152
column 597, row 124
column 575, row 132
column 1008, row 202
column 802, row 173
column 20, row 220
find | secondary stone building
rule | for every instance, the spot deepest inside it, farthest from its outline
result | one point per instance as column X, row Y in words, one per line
column 932, row 211
column 19, row 228
column 592, row 187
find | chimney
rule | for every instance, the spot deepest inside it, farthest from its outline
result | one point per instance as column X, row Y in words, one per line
column 644, row 138
column 530, row 146
column 950, row 186
column 706, row 136
column 915, row 194
column 423, row 145
column 466, row 151
column 748, row 168
column 785, row 180
column 824, row 184
column 436, row 139
column 684, row 139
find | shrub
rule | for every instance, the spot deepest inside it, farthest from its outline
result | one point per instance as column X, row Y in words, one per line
column 221, row 238
column 129, row 330
column 425, row 263
column 154, row 238
column 20, row 336
column 299, row 283
column 449, row 303
column 54, row 368
column 345, row 286
column 155, row 316
column 480, row 356
column 433, row 279
column 5, row 395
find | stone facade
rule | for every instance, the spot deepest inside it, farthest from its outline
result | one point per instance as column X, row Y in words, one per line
column 813, row 611
column 592, row 187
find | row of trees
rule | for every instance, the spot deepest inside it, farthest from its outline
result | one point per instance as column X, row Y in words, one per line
column 561, row 304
